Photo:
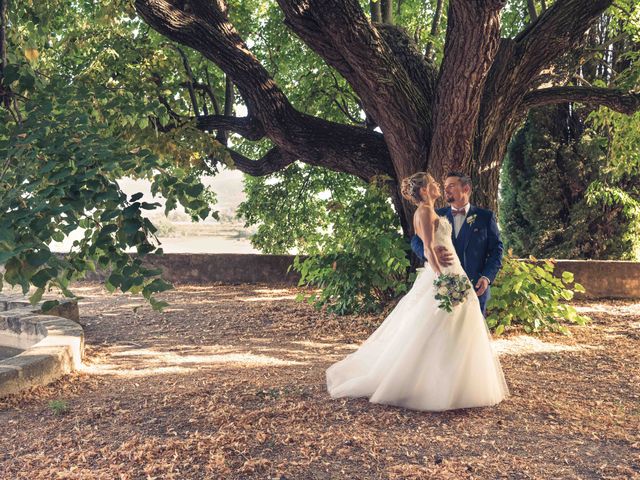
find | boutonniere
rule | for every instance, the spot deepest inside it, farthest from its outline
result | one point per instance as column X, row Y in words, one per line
column 471, row 219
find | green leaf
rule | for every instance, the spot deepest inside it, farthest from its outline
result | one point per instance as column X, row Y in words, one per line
column 37, row 296
column 567, row 294
column 158, row 305
column 37, row 258
column 49, row 304
column 4, row 256
column 131, row 226
column 41, row 278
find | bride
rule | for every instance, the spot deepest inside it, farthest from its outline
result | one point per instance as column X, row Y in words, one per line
column 423, row 357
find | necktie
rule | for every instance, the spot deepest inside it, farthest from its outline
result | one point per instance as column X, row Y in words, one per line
column 455, row 212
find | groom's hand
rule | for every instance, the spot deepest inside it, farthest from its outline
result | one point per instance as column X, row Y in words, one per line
column 445, row 257
column 482, row 286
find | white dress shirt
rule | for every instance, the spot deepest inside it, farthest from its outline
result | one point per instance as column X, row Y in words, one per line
column 458, row 220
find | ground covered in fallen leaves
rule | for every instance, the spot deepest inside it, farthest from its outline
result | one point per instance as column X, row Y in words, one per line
column 228, row 383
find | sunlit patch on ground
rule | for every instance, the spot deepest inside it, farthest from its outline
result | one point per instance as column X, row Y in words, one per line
column 525, row 344
column 267, row 298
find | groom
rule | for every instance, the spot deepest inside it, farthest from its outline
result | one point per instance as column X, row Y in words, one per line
column 475, row 236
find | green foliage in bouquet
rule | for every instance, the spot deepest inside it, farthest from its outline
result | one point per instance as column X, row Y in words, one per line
column 361, row 261
column 527, row 293
column 451, row 290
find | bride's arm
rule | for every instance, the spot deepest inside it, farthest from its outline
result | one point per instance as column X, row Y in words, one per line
column 426, row 230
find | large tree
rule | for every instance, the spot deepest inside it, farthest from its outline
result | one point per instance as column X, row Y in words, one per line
column 458, row 115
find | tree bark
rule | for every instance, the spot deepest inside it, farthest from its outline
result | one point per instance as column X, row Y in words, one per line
column 473, row 37
column 229, row 100
column 6, row 97
column 339, row 32
column 515, row 72
column 618, row 100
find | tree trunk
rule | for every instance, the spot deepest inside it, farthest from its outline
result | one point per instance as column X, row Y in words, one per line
column 435, row 30
column 473, row 37
column 375, row 9
column 387, row 11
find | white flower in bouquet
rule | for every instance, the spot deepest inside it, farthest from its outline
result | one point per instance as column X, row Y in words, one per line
column 451, row 290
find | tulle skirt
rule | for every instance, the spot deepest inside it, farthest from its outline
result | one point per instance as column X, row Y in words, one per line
column 424, row 358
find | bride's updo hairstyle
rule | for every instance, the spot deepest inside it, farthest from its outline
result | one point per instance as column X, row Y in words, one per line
column 410, row 186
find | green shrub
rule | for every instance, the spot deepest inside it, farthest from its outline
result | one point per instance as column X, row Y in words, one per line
column 362, row 262
column 527, row 293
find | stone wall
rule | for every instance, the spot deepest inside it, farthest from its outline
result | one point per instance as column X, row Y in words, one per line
column 602, row 279
column 192, row 268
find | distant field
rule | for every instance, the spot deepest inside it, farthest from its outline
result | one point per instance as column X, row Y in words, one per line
column 210, row 237
column 187, row 237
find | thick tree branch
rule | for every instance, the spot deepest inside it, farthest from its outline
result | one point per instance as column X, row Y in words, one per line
column 341, row 148
column 618, row 100
column 205, row 27
column 245, row 126
column 556, row 30
column 339, row 31
column 273, row 161
column 516, row 71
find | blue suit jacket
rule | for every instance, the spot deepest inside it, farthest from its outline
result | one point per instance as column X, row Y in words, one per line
column 478, row 245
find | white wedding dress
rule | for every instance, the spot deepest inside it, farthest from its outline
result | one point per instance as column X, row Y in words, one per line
column 422, row 357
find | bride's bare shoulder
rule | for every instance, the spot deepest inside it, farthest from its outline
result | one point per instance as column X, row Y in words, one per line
column 425, row 215
column 425, row 212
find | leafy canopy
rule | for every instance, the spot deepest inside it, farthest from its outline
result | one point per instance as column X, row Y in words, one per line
column 77, row 118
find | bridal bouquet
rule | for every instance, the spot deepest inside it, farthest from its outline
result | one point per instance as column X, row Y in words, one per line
column 451, row 290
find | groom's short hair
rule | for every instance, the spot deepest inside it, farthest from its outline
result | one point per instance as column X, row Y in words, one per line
column 464, row 179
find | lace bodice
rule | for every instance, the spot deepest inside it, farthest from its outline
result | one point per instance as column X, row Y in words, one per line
column 443, row 238
column 443, row 233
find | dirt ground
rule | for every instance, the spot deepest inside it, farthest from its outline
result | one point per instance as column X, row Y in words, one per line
column 228, row 383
